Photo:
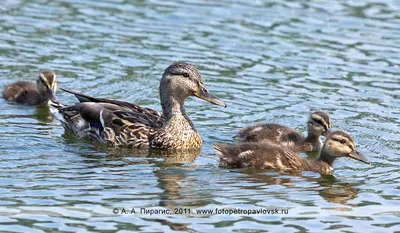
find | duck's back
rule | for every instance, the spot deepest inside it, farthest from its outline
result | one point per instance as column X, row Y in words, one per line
column 270, row 132
column 22, row 92
column 261, row 155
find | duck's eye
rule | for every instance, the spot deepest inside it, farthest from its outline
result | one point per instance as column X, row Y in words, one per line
column 186, row 75
column 342, row 141
column 318, row 122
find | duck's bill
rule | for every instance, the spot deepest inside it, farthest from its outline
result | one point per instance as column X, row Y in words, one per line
column 203, row 93
column 51, row 95
column 358, row 156
column 326, row 133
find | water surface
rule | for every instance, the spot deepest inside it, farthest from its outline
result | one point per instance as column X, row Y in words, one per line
column 269, row 61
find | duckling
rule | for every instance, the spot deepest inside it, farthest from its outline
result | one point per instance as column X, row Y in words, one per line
column 273, row 156
column 318, row 124
column 122, row 124
column 27, row 93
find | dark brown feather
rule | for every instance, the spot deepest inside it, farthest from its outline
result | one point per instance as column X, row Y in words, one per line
column 271, row 132
column 22, row 92
column 151, row 115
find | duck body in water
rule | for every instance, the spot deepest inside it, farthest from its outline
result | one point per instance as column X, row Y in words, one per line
column 28, row 93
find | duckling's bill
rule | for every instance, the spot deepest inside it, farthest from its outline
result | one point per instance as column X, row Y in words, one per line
column 204, row 94
column 51, row 95
column 358, row 156
column 326, row 133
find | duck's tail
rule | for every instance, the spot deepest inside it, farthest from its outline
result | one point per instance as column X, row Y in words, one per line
column 226, row 155
column 70, row 119
column 55, row 108
column 221, row 149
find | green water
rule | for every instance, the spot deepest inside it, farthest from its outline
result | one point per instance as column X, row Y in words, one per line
column 268, row 61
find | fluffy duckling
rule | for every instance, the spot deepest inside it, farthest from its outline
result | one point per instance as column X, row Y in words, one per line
column 27, row 93
column 318, row 124
column 275, row 157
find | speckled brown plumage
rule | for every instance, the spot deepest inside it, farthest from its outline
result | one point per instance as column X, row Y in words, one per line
column 28, row 93
column 318, row 124
column 273, row 156
column 129, row 125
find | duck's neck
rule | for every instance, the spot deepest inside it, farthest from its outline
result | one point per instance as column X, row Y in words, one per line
column 324, row 157
column 324, row 164
column 314, row 140
column 175, row 116
column 172, row 108
column 319, row 166
column 178, row 131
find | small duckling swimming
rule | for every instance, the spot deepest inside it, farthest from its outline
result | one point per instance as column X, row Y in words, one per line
column 318, row 124
column 276, row 157
column 27, row 93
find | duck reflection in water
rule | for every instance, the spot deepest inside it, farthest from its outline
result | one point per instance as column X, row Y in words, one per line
column 329, row 188
column 43, row 114
column 137, row 156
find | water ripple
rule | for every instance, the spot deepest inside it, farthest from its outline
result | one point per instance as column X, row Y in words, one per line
column 269, row 61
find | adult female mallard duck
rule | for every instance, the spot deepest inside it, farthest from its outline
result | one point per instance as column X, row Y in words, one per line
column 318, row 124
column 276, row 157
column 124, row 124
column 27, row 93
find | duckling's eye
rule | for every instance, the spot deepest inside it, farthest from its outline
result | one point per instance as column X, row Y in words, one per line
column 186, row 75
column 318, row 122
column 342, row 141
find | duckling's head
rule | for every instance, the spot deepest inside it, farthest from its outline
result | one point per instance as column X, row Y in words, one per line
column 181, row 80
column 340, row 144
column 318, row 124
column 46, row 84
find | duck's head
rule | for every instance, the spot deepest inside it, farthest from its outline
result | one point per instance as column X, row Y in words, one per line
column 181, row 80
column 46, row 84
column 319, row 124
column 340, row 144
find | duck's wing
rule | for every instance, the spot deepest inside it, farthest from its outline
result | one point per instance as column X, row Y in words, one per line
column 241, row 155
column 107, row 123
column 28, row 97
column 113, row 122
column 80, row 117
column 270, row 132
column 259, row 155
column 142, row 114
column 127, row 128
